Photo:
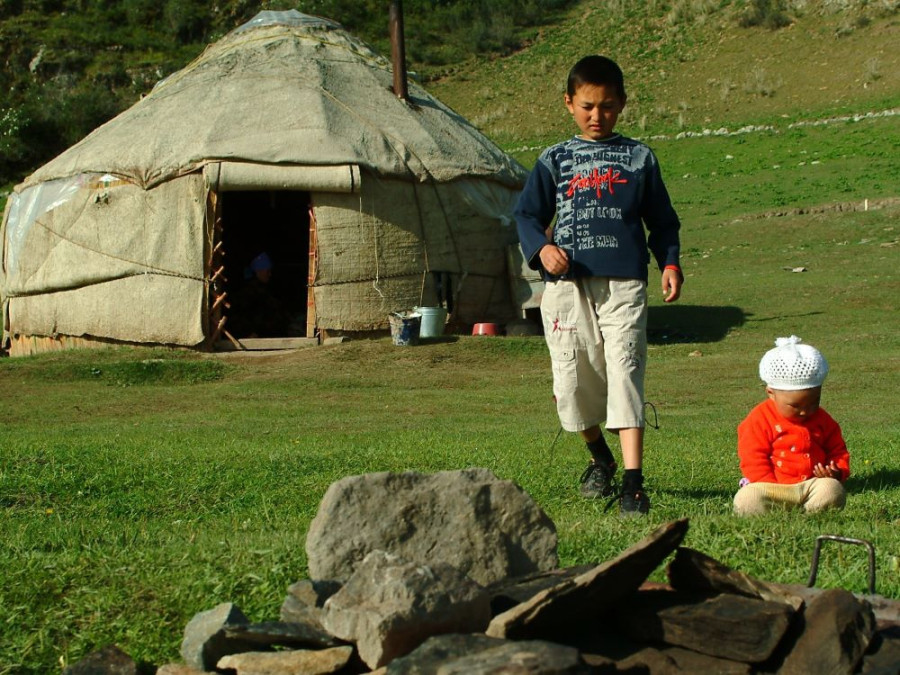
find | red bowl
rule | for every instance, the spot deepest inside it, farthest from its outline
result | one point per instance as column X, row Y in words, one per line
column 485, row 329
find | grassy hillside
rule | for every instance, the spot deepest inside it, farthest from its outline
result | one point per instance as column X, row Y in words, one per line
column 794, row 107
column 692, row 65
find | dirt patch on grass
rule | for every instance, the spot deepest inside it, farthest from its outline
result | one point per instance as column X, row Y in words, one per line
column 840, row 207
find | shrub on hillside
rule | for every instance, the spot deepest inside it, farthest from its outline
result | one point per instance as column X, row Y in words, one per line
column 771, row 14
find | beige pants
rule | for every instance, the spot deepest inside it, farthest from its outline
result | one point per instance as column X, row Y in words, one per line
column 812, row 495
column 596, row 332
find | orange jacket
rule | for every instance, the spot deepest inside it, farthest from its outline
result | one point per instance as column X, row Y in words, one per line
column 773, row 449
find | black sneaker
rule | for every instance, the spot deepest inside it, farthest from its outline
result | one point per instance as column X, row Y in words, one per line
column 598, row 480
column 634, row 503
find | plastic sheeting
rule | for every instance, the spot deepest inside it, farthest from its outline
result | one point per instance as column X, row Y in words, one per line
column 95, row 256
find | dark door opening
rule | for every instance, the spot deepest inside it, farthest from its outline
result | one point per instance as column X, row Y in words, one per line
column 265, row 237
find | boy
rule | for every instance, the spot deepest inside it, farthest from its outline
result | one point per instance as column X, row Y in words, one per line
column 791, row 450
column 603, row 189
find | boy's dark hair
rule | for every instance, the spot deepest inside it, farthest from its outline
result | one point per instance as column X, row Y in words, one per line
column 596, row 69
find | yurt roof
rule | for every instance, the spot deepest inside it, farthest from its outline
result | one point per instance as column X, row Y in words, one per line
column 287, row 89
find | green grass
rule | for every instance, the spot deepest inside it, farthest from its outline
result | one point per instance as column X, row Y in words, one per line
column 130, row 501
column 720, row 178
column 727, row 177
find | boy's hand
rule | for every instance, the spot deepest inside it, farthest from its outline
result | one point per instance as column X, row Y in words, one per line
column 830, row 471
column 554, row 260
column 671, row 284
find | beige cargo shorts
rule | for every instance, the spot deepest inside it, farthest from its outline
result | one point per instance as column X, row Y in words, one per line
column 596, row 332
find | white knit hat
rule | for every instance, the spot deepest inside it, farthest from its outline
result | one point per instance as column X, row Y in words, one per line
column 792, row 366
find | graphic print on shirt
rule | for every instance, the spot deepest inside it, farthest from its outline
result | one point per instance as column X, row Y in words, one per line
column 588, row 196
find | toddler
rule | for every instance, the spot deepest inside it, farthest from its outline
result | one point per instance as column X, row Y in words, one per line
column 791, row 451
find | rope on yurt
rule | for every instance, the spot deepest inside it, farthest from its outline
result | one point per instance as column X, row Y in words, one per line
column 377, row 278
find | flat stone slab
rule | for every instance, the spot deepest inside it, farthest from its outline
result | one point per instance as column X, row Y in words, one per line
column 695, row 571
column 554, row 610
column 508, row 593
column 178, row 669
column 725, row 626
column 482, row 655
column 291, row 662
column 673, row 661
column 282, row 633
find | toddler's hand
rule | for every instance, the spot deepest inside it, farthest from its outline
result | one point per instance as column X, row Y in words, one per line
column 830, row 471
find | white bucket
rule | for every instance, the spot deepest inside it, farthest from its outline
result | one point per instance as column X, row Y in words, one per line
column 433, row 320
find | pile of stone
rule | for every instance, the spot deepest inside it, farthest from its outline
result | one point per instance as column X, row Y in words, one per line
column 457, row 573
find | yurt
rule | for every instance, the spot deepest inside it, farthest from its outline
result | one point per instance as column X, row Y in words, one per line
column 282, row 147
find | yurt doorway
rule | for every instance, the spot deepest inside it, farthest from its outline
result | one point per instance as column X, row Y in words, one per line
column 265, row 239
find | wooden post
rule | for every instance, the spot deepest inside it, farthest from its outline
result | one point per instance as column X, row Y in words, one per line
column 216, row 301
column 312, row 273
column 215, row 252
column 398, row 50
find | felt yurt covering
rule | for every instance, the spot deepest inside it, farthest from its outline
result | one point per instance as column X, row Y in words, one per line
column 120, row 237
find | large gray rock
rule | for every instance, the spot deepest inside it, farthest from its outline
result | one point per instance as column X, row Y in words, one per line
column 294, row 611
column 390, row 606
column 488, row 528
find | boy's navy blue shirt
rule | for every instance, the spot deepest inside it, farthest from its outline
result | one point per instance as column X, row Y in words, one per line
column 603, row 193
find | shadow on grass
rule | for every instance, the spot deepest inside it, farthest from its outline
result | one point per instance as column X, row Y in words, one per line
column 439, row 339
column 676, row 324
column 778, row 317
column 704, row 493
column 879, row 479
